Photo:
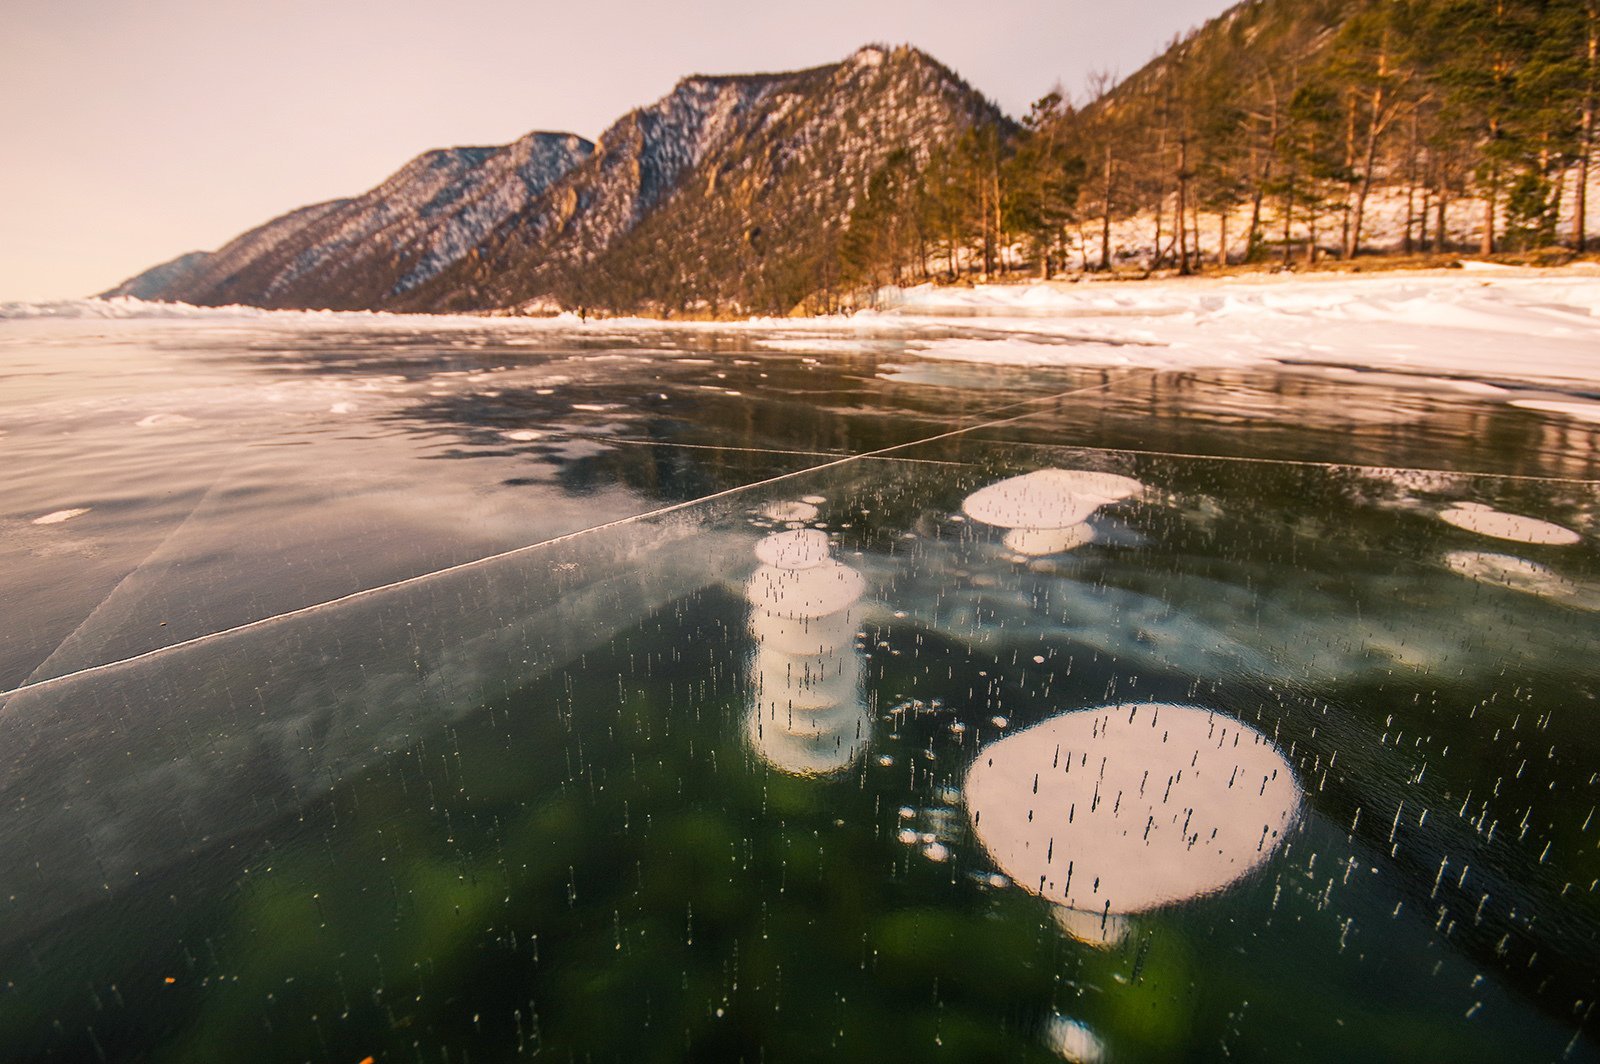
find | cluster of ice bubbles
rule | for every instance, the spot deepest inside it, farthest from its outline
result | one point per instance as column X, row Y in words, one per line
column 807, row 716
column 1107, row 812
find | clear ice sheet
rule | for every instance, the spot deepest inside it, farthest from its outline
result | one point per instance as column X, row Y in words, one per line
column 606, row 797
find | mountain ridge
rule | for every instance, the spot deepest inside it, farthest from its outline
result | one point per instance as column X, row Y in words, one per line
column 740, row 160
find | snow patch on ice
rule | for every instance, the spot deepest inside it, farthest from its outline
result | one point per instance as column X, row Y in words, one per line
column 61, row 515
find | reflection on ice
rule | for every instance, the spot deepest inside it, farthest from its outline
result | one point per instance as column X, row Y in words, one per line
column 1103, row 929
column 1038, row 542
column 1073, row 1041
column 1487, row 521
column 1046, row 511
column 1125, row 808
column 795, row 684
column 806, row 715
column 1519, row 574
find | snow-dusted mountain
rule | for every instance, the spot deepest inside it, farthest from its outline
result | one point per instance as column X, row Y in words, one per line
column 368, row 251
column 728, row 193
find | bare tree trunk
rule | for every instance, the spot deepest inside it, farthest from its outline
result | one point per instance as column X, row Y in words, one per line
column 1288, row 218
column 1486, row 244
column 1222, row 239
column 1349, row 164
column 1252, row 236
column 1441, row 230
column 1184, row 268
column 1105, row 223
column 1374, row 130
column 1411, row 186
column 1155, row 263
column 1586, row 149
column 1581, row 205
column 999, row 220
column 983, row 228
column 1490, row 197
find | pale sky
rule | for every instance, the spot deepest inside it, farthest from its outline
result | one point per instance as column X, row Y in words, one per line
column 134, row 132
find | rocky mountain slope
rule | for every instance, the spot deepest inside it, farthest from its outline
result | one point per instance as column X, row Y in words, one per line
column 729, row 194
column 365, row 252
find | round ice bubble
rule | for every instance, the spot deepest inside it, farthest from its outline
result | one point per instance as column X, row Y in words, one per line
column 817, row 591
column 1126, row 808
column 790, row 511
column 800, row 548
column 1487, row 521
column 1048, row 498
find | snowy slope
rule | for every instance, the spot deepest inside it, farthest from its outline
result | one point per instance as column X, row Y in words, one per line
column 363, row 252
column 715, row 193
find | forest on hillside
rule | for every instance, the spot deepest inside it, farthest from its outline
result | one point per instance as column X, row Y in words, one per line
column 1267, row 135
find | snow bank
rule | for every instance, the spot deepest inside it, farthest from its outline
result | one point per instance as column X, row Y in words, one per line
column 1502, row 325
column 1462, row 329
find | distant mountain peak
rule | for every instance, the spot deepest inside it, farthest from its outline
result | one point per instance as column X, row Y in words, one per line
column 657, row 215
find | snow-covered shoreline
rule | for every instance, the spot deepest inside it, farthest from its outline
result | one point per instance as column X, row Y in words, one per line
column 1480, row 328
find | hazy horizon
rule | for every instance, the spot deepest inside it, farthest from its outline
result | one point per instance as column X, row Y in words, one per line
column 138, row 135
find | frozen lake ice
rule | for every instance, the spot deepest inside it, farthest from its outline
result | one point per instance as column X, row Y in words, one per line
column 467, row 690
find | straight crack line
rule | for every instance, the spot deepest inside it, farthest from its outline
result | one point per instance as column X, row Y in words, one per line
column 1301, row 462
column 356, row 596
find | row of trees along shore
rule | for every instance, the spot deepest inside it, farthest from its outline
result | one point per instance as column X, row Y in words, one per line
column 1287, row 119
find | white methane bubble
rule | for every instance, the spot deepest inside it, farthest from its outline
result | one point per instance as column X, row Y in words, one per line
column 1487, row 521
column 1073, row 1041
column 785, row 512
column 1047, row 511
column 1121, row 809
column 806, row 714
column 797, row 549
